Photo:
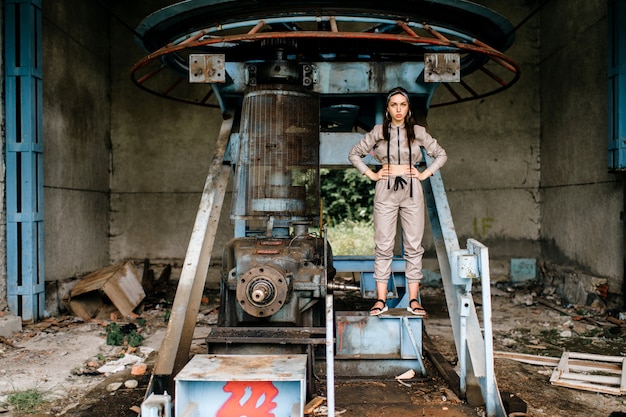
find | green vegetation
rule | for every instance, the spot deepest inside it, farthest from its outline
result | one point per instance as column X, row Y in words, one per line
column 117, row 336
column 347, row 196
column 352, row 238
column 27, row 401
column 134, row 339
column 551, row 336
column 348, row 205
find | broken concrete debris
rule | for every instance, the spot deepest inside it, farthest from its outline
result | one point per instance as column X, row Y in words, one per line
column 119, row 364
column 9, row 324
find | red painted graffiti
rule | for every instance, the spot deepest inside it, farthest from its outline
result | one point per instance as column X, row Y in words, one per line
column 250, row 407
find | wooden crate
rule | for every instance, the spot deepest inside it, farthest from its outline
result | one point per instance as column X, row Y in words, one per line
column 117, row 286
column 597, row 373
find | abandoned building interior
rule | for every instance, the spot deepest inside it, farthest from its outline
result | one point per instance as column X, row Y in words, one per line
column 112, row 157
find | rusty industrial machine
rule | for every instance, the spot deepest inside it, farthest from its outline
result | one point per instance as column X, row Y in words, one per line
column 274, row 272
column 295, row 84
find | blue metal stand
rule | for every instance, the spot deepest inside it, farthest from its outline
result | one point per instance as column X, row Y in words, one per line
column 24, row 158
column 388, row 344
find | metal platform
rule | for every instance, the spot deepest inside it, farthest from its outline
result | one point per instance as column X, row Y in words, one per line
column 386, row 344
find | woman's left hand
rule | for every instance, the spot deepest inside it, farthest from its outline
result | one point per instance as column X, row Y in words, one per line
column 413, row 172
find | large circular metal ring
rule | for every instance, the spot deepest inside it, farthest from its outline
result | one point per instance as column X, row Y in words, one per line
column 322, row 31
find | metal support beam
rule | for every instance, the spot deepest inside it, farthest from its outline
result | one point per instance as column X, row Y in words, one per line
column 465, row 325
column 174, row 351
column 24, row 158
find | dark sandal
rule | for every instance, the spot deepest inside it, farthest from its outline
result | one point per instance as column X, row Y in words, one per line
column 375, row 311
column 417, row 311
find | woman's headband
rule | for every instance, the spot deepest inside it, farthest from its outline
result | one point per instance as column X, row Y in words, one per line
column 394, row 92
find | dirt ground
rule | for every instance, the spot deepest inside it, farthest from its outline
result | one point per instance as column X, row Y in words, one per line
column 61, row 359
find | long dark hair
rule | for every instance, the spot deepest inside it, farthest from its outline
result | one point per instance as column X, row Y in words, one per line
column 409, row 120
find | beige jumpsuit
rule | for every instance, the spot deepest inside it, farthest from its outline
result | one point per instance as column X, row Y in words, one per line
column 398, row 195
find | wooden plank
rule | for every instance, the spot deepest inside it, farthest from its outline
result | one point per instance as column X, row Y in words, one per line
column 588, row 387
column 566, row 312
column 561, row 367
column 600, row 379
column 313, row 404
column 587, row 366
column 124, row 289
column 594, row 357
column 95, row 280
column 443, row 366
column 526, row 358
column 623, row 383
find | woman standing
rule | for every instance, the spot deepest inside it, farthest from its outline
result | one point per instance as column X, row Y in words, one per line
column 397, row 144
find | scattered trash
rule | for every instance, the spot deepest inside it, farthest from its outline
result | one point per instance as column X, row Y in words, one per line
column 139, row 369
column 323, row 411
column 566, row 333
column 114, row 386
column 450, row 395
column 119, row 364
column 406, row 375
column 131, row 383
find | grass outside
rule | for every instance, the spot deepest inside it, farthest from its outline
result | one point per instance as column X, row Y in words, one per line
column 25, row 402
column 352, row 238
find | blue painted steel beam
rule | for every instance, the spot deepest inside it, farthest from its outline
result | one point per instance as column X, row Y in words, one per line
column 466, row 327
column 617, row 86
column 24, row 158
column 347, row 78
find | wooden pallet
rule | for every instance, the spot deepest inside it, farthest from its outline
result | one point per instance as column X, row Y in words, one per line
column 597, row 373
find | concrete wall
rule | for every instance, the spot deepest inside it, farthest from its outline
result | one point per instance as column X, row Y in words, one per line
column 492, row 173
column 161, row 154
column 581, row 201
column 76, row 136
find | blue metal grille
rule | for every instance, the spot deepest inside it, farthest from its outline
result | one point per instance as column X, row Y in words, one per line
column 24, row 158
column 617, row 85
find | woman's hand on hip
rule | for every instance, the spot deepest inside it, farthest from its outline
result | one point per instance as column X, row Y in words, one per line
column 379, row 175
column 425, row 174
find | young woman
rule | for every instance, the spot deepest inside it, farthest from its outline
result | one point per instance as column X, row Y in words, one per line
column 397, row 144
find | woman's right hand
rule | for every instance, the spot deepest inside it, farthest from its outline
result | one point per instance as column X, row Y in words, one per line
column 383, row 173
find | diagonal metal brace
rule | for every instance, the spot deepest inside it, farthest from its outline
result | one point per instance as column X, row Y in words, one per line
column 174, row 351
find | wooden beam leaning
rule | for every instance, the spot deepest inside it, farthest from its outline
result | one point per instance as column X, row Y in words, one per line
column 174, row 351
